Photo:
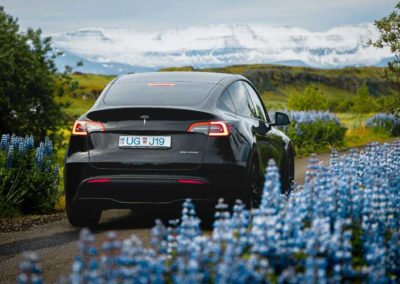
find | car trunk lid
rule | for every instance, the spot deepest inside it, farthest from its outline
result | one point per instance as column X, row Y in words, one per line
column 185, row 152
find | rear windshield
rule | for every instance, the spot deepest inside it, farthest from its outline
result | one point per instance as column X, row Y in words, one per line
column 157, row 93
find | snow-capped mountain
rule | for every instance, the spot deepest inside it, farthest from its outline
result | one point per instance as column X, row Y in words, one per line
column 121, row 50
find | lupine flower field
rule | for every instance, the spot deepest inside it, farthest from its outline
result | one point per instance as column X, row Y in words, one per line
column 342, row 225
column 312, row 131
column 29, row 177
column 384, row 121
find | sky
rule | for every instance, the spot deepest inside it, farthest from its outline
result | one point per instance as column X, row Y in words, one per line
column 56, row 16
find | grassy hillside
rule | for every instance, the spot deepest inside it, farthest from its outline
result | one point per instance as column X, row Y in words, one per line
column 90, row 87
column 276, row 82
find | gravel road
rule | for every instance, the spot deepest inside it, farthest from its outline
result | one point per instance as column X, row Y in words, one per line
column 56, row 242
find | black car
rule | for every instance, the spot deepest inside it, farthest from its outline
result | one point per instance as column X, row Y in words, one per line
column 158, row 138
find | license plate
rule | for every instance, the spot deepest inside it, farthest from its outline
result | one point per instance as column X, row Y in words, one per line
column 145, row 142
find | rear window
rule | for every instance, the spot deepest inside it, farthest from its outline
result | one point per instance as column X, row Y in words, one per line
column 157, row 93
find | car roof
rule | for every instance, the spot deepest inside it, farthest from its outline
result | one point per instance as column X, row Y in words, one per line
column 167, row 77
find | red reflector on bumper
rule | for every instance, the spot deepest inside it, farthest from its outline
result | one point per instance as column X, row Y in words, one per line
column 98, row 180
column 191, row 181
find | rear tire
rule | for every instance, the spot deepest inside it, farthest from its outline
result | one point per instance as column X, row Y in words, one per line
column 81, row 216
column 253, row 186
column 289, row 176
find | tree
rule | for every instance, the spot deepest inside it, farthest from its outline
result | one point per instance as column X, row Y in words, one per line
column 310, row 99
column 389, row 28
column 28, row 82
column 363, row 102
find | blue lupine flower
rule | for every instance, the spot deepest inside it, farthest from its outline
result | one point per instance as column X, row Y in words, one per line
column 30, row 269
column 48, row 147
column 56, row 169
column 10, row 156
column 382, row 120
column 4, row 142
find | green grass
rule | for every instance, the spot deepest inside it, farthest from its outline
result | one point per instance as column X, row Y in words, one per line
column 362, row 136
column 353, row 120
column 78, row 105
column 357, row 134
column 90, row 87
column 92, row 82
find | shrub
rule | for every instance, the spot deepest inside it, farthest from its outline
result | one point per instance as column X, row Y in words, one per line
column 312, row 131
column 28, row 177
column 363, row 102
column 340, row 104
column 311, row 99
column 342, row 225
column 30, row 84
column 384, row 122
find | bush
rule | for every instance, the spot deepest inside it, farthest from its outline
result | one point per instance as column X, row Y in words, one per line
column 313, row 131
column 363, row 102
column 30, row 84
column 311, row 99
column 340, row 104
column 28, row 178
column 341, row 226
column 384, row 122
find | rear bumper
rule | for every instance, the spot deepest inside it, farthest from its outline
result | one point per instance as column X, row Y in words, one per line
column 131, row 190
column 148, row 190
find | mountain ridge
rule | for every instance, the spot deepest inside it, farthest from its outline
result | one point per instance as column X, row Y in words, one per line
column 219, row 45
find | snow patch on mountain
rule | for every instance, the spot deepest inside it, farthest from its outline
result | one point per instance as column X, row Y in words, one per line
column 219, row 45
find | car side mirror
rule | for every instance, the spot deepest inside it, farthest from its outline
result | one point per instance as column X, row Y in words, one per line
column 262, row 128
column 281, row 119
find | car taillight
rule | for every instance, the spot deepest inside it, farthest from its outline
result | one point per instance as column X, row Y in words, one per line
column 82, row 127
column 212, row 128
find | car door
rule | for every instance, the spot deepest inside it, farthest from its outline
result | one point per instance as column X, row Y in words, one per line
column 252, row 117
column 270, row 143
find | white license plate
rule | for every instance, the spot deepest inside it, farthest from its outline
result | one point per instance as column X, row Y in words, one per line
column 145, row 141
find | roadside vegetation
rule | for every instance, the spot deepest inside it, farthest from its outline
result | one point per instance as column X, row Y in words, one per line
column 313, row 131
column 29, row 178
column 31, row 92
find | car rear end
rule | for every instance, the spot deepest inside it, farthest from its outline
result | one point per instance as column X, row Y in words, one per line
column 147, row 143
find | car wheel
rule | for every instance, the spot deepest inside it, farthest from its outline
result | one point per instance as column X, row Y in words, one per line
column 81, row 216
column 253, row 183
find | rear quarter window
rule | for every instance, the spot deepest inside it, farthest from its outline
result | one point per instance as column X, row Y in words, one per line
column 225, row 102
column 241, row 99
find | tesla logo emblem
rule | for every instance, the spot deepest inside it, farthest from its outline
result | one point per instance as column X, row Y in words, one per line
column 144, row 117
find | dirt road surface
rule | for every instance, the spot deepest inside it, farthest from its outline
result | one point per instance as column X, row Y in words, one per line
column 56, row 242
